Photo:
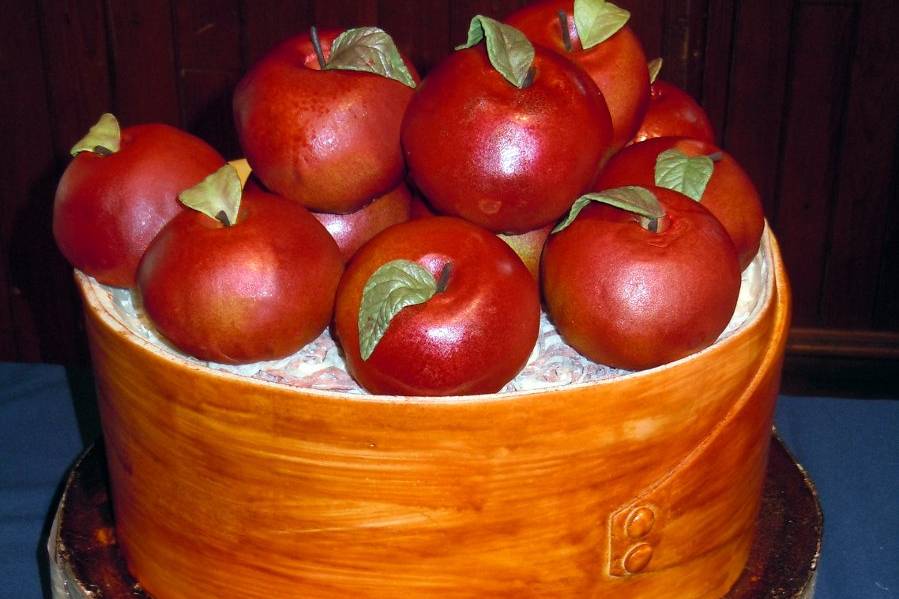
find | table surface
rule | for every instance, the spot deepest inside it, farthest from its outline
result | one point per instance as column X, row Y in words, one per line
column 850, row 447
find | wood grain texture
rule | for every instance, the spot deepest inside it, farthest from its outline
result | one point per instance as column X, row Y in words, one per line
column 207, row 35
column 345, row 14
column 648, row 22
column 142, row 43
column 330, row 495
column 810, row 159
column 75, row 43
column 421, row 34
column 38, row 302
column 266, row 23
column 683, row 43
column 756, row 96
column 207, row 107
column 84, row 549
column 866, row 185
column 717, row 68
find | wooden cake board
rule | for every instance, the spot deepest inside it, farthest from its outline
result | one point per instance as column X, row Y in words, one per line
column 85, row 562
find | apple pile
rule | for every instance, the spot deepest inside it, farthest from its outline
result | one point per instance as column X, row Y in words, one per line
column 540, row 167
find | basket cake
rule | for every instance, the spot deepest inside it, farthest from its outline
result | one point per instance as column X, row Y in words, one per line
column 642, row 485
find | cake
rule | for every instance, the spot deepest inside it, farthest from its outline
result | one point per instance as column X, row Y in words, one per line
column 643, row 485
column 287, row 479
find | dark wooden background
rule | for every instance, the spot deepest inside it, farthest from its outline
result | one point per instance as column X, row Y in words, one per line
column 803, row 93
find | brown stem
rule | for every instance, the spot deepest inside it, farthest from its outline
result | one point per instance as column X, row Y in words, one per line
column 716, row 156
column 529, row 77
column 317, row 46
column 102, row 151
column 443, row 279
column 654, row 225
column 223, row 218
column 566, row 36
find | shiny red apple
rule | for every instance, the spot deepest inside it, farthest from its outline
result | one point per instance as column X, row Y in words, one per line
column 255, row 287
column 119, row 191
column 352, row 230
column 617, row 64
column 509, row 152
column 633, row 292
column 729, row 193
column 673, row 112
column 436, row 306
column 327, row 138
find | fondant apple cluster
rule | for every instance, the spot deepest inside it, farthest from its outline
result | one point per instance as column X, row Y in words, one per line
column 429, row 220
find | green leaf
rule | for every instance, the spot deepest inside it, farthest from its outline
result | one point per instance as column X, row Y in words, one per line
column 103, row 138
column 371, row 50
column 217, row 196
column 637, row 200
column 655, row 67
column 391, row 288
column 598, row 20
column 686, row 174
column 510, row 52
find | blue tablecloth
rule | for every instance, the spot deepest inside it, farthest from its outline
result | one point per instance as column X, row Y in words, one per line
column 849, row 447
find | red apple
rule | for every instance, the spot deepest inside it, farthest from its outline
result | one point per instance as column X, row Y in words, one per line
column 729, row 193
column 673, row 112
column 627, row 296
column 352, row 230
column 529, row 247
column 119, row 191
column 507, row 152
column 328, row 139
column 466, row 310
column 617, row 64
column 256, row 289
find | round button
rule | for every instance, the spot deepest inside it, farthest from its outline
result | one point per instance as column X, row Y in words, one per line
column 640, row 522
column 638, row 558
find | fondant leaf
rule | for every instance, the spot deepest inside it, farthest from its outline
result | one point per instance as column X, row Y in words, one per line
column 372, row 50
column 655, row 67
column 217, row 196
column 509, row 50
column 637, row 200
column 598, row 20
column 391, row 288
column 686, row 174
column 103, row 138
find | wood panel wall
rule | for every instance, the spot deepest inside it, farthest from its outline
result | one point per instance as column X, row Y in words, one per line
column 802, row 92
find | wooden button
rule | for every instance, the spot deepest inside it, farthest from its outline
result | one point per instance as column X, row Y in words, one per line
column 640, row 522
column 638, row 558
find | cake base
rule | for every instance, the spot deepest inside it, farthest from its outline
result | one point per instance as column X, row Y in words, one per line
column 85, row 562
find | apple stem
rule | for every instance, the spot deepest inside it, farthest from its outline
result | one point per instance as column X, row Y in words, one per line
column 529, row 78
column 653, row 225
column 563, row 24
column 443, row 279
column 716, row 156
column 223, row 218
column 317, row 46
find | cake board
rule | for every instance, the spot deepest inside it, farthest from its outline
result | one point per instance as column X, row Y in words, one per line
column 85, row 562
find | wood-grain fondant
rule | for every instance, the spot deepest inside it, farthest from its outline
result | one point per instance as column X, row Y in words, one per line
column 225, row 486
